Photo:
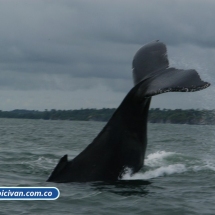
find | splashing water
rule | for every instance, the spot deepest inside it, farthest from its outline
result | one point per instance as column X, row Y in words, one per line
column 164, row 163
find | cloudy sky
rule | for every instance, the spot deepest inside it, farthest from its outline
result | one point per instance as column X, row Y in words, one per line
column 73, row 54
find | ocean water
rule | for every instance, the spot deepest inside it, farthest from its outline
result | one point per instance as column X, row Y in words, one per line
column 178, row 177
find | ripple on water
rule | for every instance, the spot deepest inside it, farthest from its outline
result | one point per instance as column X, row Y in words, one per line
column 178, row 177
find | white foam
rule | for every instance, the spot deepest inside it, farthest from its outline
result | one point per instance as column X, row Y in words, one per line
column 161, row 171
column 206, row 165
column 159, row 166
column 210, row 165
column 41, row 162
column 155, row 159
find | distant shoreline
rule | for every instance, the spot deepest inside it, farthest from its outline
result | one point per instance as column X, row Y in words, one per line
column 177, row 116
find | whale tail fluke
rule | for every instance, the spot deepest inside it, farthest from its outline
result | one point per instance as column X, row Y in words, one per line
column 151, row 67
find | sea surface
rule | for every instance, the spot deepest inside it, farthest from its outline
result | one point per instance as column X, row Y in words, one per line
column 179, row 176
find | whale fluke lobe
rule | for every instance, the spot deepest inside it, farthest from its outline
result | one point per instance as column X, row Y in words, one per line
column 122, row 142
column 148, row 59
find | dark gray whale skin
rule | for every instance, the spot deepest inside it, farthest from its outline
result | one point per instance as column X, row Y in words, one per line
column 122, row 142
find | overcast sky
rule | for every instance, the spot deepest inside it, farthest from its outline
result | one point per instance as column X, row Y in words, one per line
column 73, row 54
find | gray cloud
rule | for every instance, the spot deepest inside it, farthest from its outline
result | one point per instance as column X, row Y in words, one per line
column 75, row 46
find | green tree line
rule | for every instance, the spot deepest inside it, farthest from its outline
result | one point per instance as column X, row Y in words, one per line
column 156, row 115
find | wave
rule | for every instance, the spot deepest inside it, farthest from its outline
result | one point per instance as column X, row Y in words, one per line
column 161, row 171
column 157, row 164
column 164, row 163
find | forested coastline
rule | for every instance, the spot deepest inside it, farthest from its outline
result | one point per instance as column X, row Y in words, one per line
column 178, row 116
